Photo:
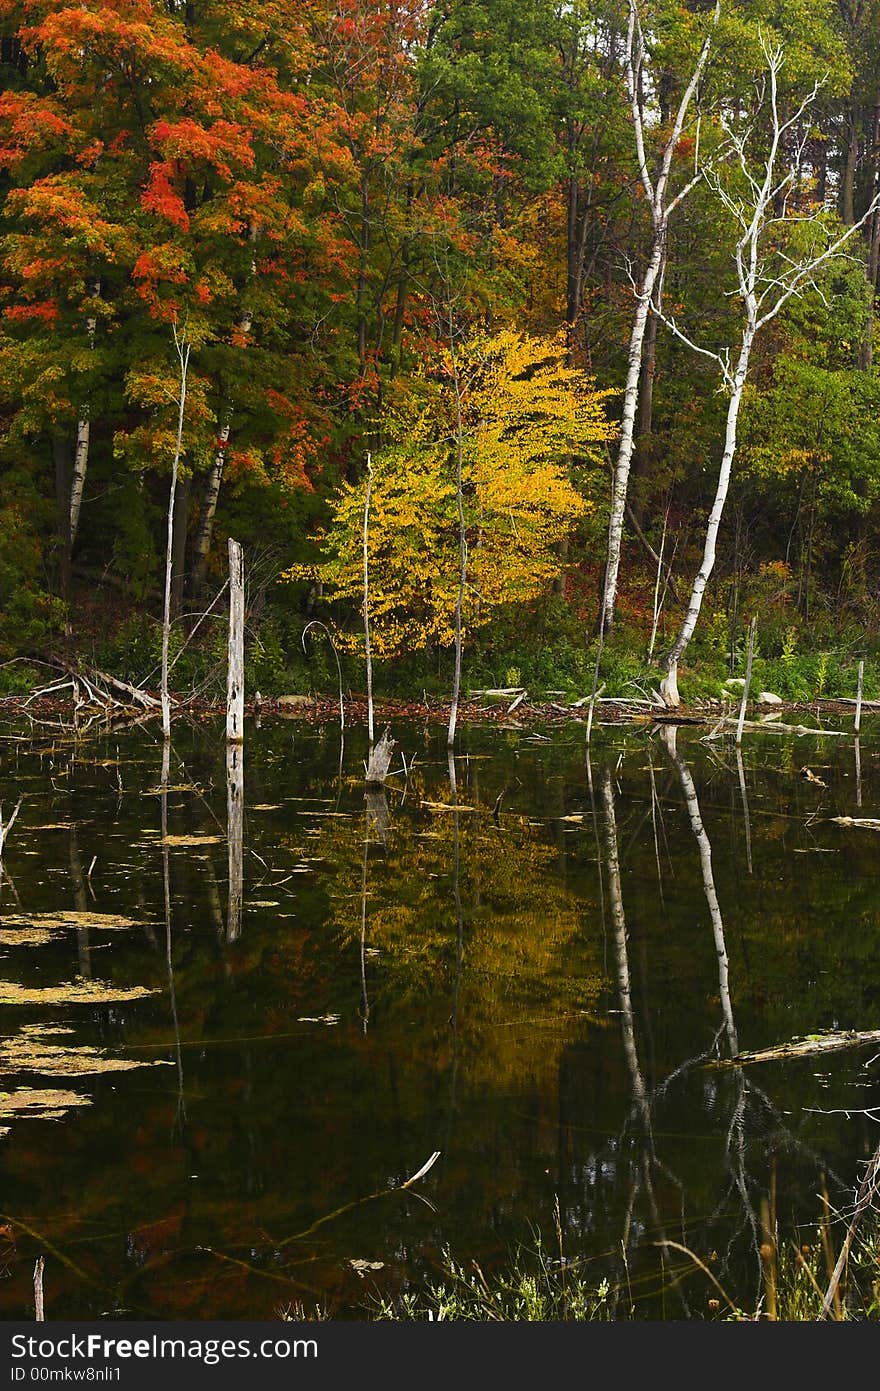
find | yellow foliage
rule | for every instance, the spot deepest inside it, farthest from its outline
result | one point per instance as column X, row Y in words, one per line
column 524, row 415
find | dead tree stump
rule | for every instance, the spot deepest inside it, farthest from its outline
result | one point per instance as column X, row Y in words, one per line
column 380, row 759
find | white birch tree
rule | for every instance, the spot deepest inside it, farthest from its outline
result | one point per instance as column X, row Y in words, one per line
column 183, row 349
column 662, row 204
column 767, row 155
column 83, row 436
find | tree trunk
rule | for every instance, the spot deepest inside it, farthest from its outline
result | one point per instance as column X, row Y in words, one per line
column 669, row 685
column 178, row 546
column 183, row 350
column 366, row 559
column 202, row 544
column 80, row 464
column 81, row 453
column 462, row 553
column 848, row 174
column 627, row 423
column 645, row 412
column 380, row 759
column 572, row 248
column 361, row 293
column 235, row 651
column 63, row 471
column 866, row 352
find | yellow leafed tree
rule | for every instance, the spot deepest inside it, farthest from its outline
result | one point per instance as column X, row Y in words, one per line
column 524, row 415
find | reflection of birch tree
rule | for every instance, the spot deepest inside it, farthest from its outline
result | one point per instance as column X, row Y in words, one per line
column 641, row 1102
column 752, row 1108
column 459, row 940
column 166, row 885
column 736, row 1134
column 662, row 203
column 235, row 837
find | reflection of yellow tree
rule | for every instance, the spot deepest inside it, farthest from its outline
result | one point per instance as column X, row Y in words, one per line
column 524, row 413
column 529, row 970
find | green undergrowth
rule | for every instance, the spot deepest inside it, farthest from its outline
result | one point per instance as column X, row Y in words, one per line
column 548, row 651
column 532, row 1286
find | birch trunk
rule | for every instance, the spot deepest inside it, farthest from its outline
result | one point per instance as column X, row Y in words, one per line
column 765, row 284
column 463, row 556
column 202, row 542
column 235, row 667
column 183, row 350
column 669, row 684
column 178, row 545
column 83, row 436
column 627, row 427
column 80, row 465
column 661, row 205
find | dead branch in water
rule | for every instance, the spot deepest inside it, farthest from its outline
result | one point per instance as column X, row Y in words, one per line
column 39, row 1310
column 868, row 1190
column 5, row 829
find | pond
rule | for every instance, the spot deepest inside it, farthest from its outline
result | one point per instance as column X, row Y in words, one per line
column 212, row 1086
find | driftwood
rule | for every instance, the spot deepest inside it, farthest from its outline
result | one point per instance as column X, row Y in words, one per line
column 783, row 728
column 39, row 1306
column 868, row 823
column 499, row 693
column 149, row 702
column 802, row 1047
column 5, row 829
column 380, row 759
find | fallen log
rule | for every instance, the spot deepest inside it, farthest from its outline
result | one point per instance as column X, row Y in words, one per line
column 807, row 1047
column 776, row 727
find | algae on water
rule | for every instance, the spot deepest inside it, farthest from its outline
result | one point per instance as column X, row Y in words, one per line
column 28, row 1051
column 75, row 992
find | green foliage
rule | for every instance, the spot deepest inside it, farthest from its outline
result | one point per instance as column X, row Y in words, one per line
column 17, row 678
column 32, row 616
column 532, row 1288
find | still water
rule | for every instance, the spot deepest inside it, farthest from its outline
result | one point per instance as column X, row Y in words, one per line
column 214, row 1047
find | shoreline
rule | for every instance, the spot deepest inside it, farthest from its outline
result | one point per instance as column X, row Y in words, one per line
column 94, row 716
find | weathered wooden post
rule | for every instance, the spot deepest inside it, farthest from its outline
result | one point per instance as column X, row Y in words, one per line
column 858, row 724
column 234, row 740
column 745, row 695
column 235, row 669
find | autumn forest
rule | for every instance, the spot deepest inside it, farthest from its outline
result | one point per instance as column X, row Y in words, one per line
column 564, row 314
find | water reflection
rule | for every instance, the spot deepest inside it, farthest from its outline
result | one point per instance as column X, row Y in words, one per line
column 545, row 972
column 180, row 1115
column 235, row 837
